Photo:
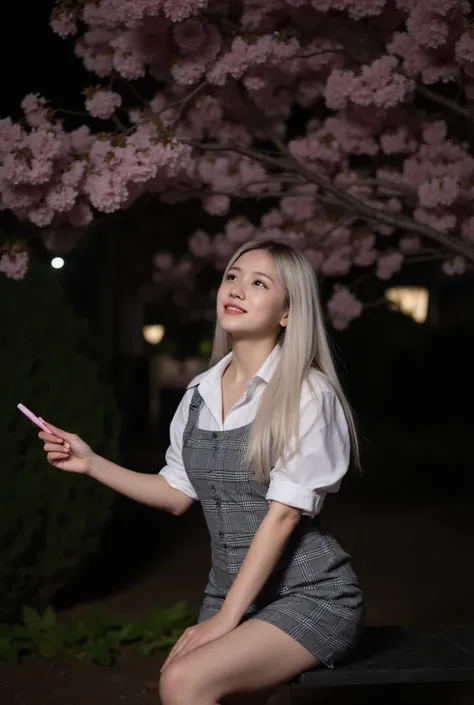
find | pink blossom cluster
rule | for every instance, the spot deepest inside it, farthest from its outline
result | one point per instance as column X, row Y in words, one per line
column 343, row 307
column 332, row 249
column 379, row 84
column 102, row 103
column 51, row 176
column 14, row 263
column 454, row 265
column 229, row 77
column 431, row 44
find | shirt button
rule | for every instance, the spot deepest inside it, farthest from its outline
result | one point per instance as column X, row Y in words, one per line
column 224, row 545
column 213, row 488
column 221, row 533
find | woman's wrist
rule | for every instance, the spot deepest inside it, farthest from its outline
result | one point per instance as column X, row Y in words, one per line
column 94, row 466
column 229, row 616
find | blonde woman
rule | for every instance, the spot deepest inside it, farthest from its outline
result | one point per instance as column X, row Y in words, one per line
column 259, row 439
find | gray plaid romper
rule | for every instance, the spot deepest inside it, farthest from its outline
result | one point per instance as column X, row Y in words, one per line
column 313, row 594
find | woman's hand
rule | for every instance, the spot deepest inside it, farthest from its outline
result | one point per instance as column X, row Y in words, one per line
column 200, row 634
column 67, row 451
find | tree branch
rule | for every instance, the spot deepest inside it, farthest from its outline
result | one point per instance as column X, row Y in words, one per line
column 344, row 220
column 319, row 52
column 119, row 124
column 185, row 101
column 204, row 193
column 387, row 184
column 354, row 204
column 76, row 113
column 342, row 198
column 425, row 258
column 137, row 95
column 445, row 102
column 181, row 103
column 256, row 155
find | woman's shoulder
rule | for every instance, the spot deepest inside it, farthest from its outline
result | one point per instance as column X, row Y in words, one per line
column 320, row 401
column 316, row 384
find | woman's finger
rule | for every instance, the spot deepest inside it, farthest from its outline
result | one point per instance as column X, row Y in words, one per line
column 54, row 447
column 177, row 648
column 64, row 435
column 50, row 437
column 174, row 650
column 58, row 431
column 183, row 645
column 57, row 456
column 183, row 649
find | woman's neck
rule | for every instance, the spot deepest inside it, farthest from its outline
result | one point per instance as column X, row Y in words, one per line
column 247, row 358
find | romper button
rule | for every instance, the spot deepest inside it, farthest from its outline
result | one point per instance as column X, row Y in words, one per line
column 224, row 545
column 221, row 533
column 213, row 488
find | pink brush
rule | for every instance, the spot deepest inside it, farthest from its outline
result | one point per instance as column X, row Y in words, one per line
column 30, row 415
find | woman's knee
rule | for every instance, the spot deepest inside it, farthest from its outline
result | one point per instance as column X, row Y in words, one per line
column 178, row 684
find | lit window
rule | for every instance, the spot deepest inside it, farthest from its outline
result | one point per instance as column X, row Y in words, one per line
column 410, row 300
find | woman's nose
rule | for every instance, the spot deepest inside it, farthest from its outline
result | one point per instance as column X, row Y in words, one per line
column 237, row 290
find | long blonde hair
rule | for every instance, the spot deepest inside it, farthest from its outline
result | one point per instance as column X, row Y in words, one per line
column 304, row 347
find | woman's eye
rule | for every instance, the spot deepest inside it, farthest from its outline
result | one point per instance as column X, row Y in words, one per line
column 231, row 276
column 259, row 281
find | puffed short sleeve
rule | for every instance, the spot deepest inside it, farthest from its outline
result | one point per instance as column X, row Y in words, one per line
column 317, row 468
column 174, row 471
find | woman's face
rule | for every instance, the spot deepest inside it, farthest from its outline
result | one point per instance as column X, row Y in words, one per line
column 251, row 299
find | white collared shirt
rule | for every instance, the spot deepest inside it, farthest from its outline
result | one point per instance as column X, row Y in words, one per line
column 306, row 476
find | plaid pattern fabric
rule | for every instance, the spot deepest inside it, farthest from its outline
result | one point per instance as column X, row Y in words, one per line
column 313, row 594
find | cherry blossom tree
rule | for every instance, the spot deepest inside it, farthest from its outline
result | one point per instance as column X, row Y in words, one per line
column 346, row 121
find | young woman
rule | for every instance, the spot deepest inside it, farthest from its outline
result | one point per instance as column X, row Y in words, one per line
column 259, row 439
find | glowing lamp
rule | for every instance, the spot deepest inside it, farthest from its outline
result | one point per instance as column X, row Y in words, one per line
column 153, row 334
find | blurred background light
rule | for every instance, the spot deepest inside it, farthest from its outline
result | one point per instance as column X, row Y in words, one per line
column 410, row 300
column 153, row 334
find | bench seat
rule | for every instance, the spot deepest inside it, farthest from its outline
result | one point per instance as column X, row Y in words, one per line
column 390, row 655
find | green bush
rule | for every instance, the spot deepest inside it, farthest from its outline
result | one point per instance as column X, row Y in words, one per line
column 50, row 521
column 94, row 639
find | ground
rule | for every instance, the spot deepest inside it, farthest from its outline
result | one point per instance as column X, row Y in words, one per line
column 414, row 563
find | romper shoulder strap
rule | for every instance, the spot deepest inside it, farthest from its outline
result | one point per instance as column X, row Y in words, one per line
column 194, row 409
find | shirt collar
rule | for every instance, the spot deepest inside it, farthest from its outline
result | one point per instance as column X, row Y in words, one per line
column 265, row 372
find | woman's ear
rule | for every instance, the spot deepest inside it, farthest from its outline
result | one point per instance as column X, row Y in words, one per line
column 284, row 321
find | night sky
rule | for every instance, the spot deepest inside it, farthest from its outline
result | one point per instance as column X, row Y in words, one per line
column 35, row 60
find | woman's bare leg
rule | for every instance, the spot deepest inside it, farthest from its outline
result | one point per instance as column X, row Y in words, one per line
column 255, row 656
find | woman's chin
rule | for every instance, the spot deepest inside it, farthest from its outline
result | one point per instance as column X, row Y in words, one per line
column 231, row 324
column 231, row 327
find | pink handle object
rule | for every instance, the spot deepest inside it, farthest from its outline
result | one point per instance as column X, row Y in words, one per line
column 30, row 415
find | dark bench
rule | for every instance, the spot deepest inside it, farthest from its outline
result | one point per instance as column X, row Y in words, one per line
column 391, row 655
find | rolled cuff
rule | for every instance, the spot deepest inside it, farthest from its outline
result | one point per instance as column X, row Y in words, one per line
column 294, row 495
column 178, row 482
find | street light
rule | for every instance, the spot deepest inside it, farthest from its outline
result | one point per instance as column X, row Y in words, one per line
column 410, row 300
column 153, row 334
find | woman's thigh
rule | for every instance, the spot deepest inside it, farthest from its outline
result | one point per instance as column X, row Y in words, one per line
column 254, row 656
